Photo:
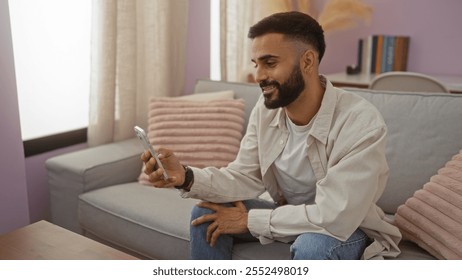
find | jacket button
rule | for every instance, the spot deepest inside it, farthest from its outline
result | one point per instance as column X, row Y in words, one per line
column 281, row 142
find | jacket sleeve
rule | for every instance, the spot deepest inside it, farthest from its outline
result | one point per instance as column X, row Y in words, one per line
column 240, row 180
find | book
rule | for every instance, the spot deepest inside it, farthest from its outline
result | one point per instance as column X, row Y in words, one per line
column 366, row 58
column 373, row 52
column 401, row 53
column 384, row 53
column 390, row 52
column 378, row 57
column 385, row 43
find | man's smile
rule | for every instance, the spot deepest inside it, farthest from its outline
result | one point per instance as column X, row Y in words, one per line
column 268, row 89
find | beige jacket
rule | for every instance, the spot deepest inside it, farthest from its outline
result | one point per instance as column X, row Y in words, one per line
column 346, row 148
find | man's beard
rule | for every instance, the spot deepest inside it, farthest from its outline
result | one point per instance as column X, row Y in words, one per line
column 287, row 92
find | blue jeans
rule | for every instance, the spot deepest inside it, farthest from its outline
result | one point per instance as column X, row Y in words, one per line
column 307, row 246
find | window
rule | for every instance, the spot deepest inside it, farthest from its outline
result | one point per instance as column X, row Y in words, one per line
column 51, row 42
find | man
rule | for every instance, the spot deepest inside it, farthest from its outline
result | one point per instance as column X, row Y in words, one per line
column 317, row 150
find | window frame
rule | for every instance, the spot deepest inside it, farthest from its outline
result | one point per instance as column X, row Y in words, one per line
column 49, row 143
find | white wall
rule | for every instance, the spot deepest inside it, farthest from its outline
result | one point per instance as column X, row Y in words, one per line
column 14, row 210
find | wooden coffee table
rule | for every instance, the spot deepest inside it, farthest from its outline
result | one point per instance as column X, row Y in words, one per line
column 46, row 241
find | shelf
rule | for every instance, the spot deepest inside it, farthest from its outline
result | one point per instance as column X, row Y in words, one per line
column 342, row 79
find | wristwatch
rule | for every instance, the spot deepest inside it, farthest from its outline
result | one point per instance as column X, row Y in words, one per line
column 188, row 179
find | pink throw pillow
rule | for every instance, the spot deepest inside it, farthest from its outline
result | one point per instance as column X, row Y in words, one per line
column 201, row 134
column 432, row 217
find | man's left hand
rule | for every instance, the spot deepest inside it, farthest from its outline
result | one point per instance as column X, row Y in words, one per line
column 225, row 220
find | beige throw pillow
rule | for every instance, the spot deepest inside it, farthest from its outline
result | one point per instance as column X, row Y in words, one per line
column 432, row 217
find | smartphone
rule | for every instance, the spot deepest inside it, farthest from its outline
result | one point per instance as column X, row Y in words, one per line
column 145, row 141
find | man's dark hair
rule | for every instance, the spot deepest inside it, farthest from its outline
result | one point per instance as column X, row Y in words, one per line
column 294, row 25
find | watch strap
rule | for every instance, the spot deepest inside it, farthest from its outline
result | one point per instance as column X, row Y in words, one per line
column 188, row 179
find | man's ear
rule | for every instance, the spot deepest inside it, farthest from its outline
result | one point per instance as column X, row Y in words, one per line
column 309, row 61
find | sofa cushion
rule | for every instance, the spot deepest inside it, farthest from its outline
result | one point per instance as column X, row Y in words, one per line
column 432, row 218
column 424, row 132
column 201, row 133
column 150, row 222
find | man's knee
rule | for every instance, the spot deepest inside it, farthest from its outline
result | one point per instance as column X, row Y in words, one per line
column 315, row 246
column 199, row 247
column 199, row 211
column 311, row 246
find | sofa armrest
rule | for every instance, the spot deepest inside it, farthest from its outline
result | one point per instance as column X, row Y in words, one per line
column 72, row 174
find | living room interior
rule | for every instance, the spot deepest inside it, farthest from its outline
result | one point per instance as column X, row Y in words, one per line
column 433, row 27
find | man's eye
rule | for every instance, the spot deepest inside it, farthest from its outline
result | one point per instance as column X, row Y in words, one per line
column 271, row 63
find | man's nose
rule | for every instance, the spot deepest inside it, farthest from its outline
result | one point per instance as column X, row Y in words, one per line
column 260, row 75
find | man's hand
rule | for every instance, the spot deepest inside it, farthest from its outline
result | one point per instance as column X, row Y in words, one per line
column 171, row 164
column 225, row 220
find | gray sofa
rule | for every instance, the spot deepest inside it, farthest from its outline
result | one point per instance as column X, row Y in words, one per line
column 95, row 191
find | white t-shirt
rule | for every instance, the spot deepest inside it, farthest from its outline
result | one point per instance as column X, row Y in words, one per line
column 292, row 168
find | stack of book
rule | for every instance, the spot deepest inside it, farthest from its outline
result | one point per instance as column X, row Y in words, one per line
column 383, row 53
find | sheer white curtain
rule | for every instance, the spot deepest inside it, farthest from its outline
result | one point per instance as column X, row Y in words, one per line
column 138, row 51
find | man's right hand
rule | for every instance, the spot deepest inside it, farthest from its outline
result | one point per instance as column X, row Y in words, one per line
column 171, row 164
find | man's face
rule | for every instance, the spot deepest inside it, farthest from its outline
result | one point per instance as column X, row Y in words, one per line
column 277, row 70
column 285, row 93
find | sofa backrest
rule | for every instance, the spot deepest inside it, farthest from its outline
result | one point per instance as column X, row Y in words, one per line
column 424, row 132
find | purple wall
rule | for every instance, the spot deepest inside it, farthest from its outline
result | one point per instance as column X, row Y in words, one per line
column 14, row 210
column 198, row 50
column 37, row 182
column 434, row 28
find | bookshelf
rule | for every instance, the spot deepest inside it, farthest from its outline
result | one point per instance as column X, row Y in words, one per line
column 362, row 80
